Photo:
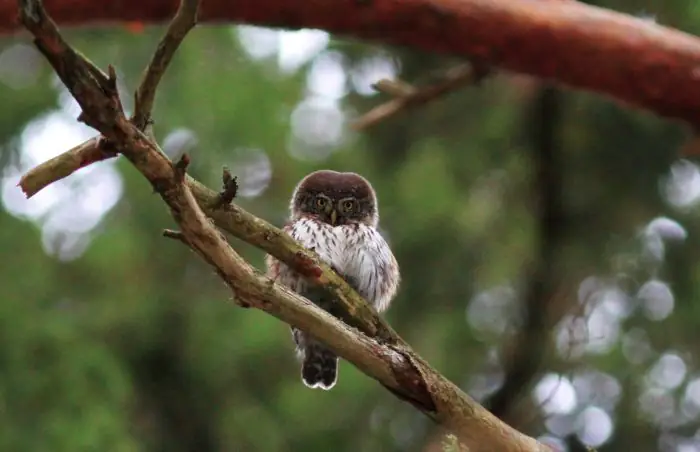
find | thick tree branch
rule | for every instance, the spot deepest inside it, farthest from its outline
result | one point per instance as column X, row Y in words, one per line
column 381, row 354
column 586, row 47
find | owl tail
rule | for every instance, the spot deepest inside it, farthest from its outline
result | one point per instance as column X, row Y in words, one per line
column 319, row 369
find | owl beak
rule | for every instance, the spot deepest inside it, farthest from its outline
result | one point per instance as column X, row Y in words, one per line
column 334, row 217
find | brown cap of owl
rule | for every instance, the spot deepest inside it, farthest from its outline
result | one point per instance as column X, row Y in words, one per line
column 335, row 198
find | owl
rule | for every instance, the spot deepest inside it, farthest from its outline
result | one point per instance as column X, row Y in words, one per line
column 336, row 215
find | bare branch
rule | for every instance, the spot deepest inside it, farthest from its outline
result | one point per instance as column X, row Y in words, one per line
column 230, row 188
column 407, row 97
column 63, row 165
column 175, row 235
column 185, row 19
column 97, row 149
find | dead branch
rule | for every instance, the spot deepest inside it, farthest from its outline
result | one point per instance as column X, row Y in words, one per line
column 63, row 165
column 380, row 352
column 184, row 20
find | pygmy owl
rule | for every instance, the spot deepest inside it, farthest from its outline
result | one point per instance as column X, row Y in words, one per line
column 336, row 215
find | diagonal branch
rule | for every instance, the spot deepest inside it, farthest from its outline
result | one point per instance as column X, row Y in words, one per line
column 387, row 359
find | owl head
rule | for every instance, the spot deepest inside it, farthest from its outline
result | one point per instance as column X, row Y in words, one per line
column 335, row 198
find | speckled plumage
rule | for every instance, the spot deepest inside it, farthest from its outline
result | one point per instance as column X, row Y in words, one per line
column 343, row 231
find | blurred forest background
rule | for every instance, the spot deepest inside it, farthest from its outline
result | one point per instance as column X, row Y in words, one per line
column 548, row 241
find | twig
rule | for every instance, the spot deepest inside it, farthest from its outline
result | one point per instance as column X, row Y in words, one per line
column 395, row 88
column 175, row 235
column 230, row 189
column 389, row 361
column 407, row 97
column 181, row 167
column 185, row 19
column 63, row 165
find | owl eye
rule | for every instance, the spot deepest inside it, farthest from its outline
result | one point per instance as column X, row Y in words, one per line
column 320, row 202
column 347, row 206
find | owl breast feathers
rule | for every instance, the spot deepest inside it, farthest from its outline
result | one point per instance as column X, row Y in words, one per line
column 336, row 215
column 357, row 252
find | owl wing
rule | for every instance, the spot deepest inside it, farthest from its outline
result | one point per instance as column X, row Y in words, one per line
column 370, row 266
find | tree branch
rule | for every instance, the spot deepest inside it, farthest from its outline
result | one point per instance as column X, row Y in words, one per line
column 383, row 355
column 63, row 165
column 184, row 20
column 97, row 149
column 635, row 61
column 407, row 97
